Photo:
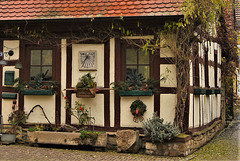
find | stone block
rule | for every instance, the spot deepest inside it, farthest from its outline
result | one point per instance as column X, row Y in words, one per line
column 128, row 141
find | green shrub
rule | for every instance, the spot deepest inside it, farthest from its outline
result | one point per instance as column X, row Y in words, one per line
column 159, row 131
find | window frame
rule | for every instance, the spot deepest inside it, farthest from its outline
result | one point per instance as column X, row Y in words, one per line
column 29, row 49
column 124, row 60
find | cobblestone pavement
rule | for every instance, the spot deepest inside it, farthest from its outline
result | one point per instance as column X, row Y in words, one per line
column 225, row 146
column 28, row 153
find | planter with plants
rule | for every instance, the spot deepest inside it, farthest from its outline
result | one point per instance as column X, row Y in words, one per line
column 36, row 87
column 16, row 119
column 69, row 135
column 86, row 87
column 135, row 85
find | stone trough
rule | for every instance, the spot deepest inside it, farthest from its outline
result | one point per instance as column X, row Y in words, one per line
column 65, row 138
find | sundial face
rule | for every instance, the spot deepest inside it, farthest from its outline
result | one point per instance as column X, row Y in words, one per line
column 87, row 60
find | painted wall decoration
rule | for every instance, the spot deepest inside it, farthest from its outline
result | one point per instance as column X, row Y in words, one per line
column 88, row 60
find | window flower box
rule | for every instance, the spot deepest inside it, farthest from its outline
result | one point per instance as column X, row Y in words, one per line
column 37, row 92
column 135, row 93
column 199, row 91
column 210, row 91
column 218, row 91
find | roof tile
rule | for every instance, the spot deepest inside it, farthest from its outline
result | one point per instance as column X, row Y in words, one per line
column 52, row 9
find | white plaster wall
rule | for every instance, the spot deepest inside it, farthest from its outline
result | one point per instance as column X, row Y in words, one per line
column 191, row 73
column 201, row 50
column 201, row 75
column 211, row 76
column 7, row 108
column 191, row 111
column 126, row 117
column 63, row 78
column 211, row 108
column 219, row 78
column 11, row 45
column 211, row 51
column 219, row 54
column 167, row 107
column 99, row 73
column 218, row 105
column 196, row 110
column 9, row 68
column 166, row 52
column 171, row 80
column 206, row 109
column 47, row 103
column 112, row 79
column 201, row 109
column 214, row 106
column 97, row 108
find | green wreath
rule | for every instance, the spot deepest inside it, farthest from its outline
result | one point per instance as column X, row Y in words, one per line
column 138, row 108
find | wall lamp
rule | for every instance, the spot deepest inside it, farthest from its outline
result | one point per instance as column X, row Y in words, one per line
column 18, row 65
column 9, row 53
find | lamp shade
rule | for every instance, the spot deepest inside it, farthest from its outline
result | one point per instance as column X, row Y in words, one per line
column 18, row 65
column 3, row 62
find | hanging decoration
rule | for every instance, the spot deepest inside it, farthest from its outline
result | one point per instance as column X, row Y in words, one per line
column 138, row 108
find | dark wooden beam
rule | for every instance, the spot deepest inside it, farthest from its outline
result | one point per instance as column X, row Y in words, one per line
column 69, row 83
column 106, row 84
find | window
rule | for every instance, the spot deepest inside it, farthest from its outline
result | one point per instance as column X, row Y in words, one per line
column 137, row 60
column 41, row 64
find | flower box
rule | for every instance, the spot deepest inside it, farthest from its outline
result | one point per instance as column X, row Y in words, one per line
column 37, row 92
column 135, row 93
column 86, row 93
column 210, row 91
column 218, row 91
column 199, row 91
column 9, row 95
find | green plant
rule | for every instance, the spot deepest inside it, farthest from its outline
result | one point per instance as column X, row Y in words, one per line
column 42, row 128
column 135, row 81
column 16, row 118
column 81, row 113
column 86, row 81
column 158, row 131
column 89, row 134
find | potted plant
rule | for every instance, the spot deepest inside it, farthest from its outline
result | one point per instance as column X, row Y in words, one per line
column 36, row 87
column 135, row 85
column 86, row 87
column 16, row 118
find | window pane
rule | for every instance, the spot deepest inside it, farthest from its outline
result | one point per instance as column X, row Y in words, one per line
column 35, row 57
column 34, row 71
column 143, row 57
column 47, row 73
column 144, row 70
column 130, row 70
column 47, row 57
column 131, row 56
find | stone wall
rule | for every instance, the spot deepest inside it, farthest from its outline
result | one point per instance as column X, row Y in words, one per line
column 183, row 146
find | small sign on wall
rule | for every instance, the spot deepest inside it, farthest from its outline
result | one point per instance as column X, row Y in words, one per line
column 87, row 60
column 9, row 78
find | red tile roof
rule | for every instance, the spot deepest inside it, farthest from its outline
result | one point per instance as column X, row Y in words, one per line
column 65, row 9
